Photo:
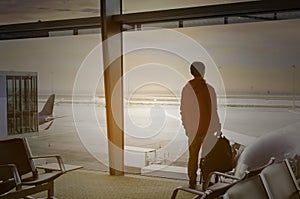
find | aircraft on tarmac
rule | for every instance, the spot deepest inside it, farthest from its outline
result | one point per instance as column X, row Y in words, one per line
column 46, row 114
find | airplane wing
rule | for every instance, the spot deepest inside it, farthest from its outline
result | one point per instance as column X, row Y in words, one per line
column 51, row 120
column 49, row 125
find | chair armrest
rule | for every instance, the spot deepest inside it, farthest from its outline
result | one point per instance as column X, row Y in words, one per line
column 186, row 189
column 220, row 174
column 256, row 171
column 58, row 158
column 245, row 175
column 15, row 173
column 225, row 175
column 231, row 172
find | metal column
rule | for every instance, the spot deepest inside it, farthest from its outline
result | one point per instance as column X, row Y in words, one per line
column 113, row 74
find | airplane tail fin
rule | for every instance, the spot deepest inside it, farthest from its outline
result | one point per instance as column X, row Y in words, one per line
column 48, row 107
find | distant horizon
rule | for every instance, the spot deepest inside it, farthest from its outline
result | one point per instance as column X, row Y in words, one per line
column 162, row 97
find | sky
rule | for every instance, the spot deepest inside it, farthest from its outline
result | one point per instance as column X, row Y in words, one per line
column 252, row 58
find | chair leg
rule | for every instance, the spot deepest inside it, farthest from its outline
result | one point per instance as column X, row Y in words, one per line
column 51, row 190
column 174, row 193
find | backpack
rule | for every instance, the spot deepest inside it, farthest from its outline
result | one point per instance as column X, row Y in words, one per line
column 220, row 158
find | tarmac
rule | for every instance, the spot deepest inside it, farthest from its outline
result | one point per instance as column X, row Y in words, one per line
column 82, row 140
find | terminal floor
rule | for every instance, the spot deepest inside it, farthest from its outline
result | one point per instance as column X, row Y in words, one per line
column 83, row 184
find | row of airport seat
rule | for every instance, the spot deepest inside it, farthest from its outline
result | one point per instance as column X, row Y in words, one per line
column 274, row 180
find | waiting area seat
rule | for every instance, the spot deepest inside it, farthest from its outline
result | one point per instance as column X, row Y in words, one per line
column 209, row 194
column 280, row 181
column 224, row 182
column 277, row 181
column 19, row 176
column 247, row 189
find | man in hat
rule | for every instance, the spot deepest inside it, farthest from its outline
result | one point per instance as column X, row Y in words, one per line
column 199, row 115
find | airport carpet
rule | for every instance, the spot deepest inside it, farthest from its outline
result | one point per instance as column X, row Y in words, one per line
column 95, row 185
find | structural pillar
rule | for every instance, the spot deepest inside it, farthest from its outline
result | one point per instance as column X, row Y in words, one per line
column 113, row 83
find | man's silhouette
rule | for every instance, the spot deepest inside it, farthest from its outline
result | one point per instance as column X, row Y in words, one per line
column 199, row 115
